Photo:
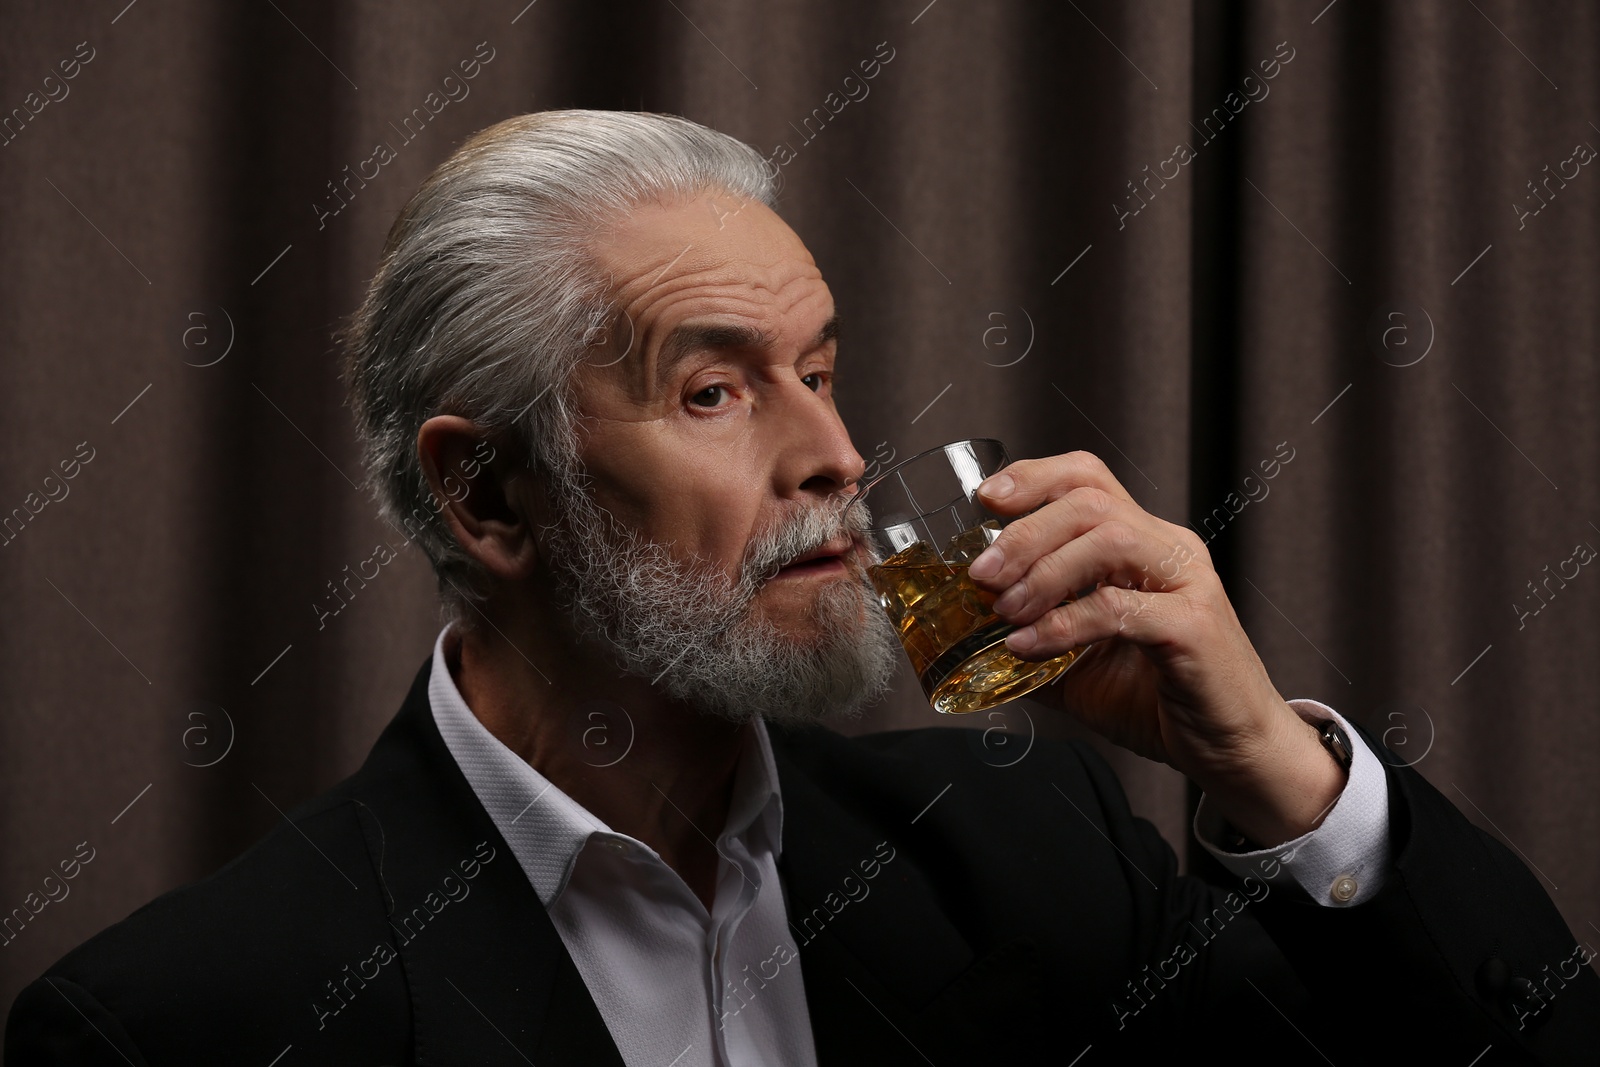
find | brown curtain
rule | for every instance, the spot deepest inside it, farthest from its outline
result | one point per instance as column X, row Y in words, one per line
column 1370, row 270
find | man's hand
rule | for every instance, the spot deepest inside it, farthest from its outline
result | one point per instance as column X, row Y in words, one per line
column 1172, row 675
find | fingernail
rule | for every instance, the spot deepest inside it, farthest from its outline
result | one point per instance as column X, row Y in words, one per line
column 999, row 487
column 1022, row 640
column 1011, row 600
column 988, row 563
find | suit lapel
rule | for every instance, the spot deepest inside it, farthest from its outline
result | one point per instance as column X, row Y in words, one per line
column 886, row 969
column 489, row 979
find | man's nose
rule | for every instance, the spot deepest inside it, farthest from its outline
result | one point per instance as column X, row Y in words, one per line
column 819, row 457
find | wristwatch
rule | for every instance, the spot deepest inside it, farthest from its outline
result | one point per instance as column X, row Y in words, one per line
column 1337, row 742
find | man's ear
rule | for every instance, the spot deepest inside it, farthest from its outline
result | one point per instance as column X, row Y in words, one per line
column 480, row 493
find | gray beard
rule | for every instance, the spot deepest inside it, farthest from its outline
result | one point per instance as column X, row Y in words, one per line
column 694, row 634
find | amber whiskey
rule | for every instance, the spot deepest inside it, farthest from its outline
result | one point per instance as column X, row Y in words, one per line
column 947, row 624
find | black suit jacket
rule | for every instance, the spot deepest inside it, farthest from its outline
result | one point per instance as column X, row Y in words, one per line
column 1024, row 917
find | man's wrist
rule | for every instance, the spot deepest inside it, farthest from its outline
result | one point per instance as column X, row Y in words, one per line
column 1345, row 860
column 1300, row 783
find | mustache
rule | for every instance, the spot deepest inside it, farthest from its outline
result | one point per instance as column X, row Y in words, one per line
column 801, row 533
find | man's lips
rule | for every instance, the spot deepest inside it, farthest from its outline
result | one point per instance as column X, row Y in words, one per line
column 826, row 559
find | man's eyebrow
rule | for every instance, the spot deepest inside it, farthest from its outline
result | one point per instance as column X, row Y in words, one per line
column 693, row 338
column 829, row 332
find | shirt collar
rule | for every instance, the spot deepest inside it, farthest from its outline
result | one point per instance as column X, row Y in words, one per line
column 757, row 805
column 546, row 829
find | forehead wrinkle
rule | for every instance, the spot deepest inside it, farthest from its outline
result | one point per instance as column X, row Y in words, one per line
column 712, row 324
column 697, row 280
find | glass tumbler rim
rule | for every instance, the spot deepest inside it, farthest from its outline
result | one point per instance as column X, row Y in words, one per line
column 863, row 488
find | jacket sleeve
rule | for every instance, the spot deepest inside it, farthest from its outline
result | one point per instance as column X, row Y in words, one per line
column 1462, row 947
column 57, row 1022
column 1202, row 965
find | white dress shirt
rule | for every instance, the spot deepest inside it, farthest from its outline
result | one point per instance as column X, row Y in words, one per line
column 679, row 986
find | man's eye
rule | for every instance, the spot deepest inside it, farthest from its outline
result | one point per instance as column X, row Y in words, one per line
column 709, row 396
column 813, row 382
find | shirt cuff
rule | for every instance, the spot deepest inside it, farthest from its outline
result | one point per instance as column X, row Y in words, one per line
column 1345, row 860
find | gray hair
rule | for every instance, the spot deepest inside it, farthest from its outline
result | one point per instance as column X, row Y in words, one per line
column 487, row 296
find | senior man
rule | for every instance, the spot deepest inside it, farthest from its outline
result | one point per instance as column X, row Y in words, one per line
column 594, row 376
